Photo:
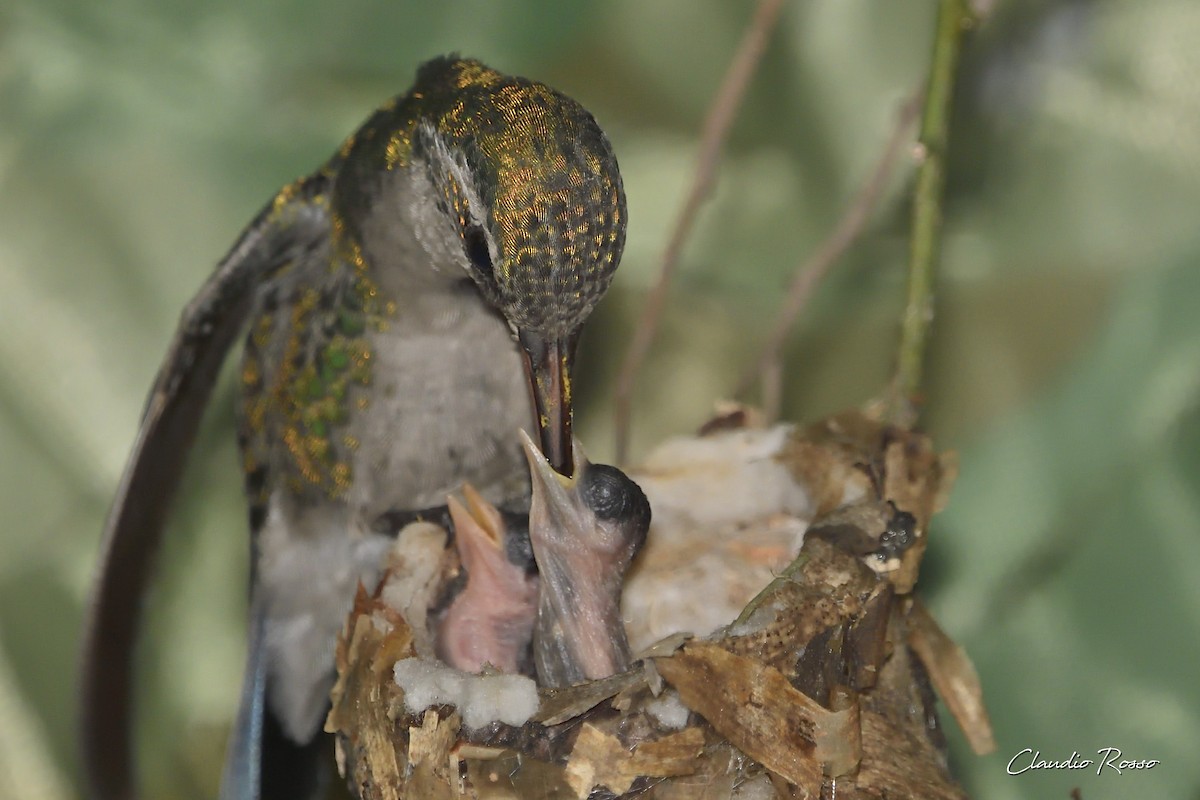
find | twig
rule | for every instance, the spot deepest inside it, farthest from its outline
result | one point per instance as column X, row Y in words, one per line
column 716, row 128
column 810, row 273
column 772, row 389
column 954, row 17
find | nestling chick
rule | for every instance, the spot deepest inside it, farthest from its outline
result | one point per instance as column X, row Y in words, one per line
column 585, row 531
column 490, row 621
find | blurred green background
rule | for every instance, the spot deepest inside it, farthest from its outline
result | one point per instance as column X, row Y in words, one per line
column 136, row 138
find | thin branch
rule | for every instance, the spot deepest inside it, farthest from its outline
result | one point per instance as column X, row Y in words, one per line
column 716, row 127
column 813, row 270
column 771, row 376
column 954, row 17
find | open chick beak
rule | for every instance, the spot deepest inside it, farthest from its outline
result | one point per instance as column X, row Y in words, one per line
column 478, row 527
column 548, row 363
column 582, row 557
column 491, row 620
column 556, row 507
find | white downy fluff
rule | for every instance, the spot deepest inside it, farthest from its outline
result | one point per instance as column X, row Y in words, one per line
column 481, row 699
column 669, row 710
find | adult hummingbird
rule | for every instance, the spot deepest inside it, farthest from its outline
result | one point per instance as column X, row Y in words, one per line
column 410, row 306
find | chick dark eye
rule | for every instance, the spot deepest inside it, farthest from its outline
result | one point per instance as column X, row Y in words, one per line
column 476, row 246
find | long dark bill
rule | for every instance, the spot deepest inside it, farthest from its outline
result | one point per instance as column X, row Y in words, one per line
column 548, row 363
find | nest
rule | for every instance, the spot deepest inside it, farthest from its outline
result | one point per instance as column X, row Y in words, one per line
column 821, row 686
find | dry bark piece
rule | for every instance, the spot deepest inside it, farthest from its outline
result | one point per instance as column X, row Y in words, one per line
column 953, row 676
column 731, row 415
column 756, row 709
column 855, row 458
column 600, row 759
column 429, row 749
column 719, row 776
column 364, row 701
column 559, row 705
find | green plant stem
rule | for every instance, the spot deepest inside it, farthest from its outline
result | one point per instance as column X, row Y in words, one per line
column 953, row 18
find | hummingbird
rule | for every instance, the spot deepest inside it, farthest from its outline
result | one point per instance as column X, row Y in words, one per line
column 407, row 308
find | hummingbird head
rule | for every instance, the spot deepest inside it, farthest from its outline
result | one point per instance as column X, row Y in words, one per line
column 532, row 184
column 528, row 192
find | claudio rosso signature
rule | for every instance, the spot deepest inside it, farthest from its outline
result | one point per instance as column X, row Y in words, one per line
column 1108, row 759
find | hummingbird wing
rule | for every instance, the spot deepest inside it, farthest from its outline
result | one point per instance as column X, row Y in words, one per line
column 293, row 224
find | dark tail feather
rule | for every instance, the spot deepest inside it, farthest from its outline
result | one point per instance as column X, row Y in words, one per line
column 292, row 771
column 243, row 756
column 261, row 762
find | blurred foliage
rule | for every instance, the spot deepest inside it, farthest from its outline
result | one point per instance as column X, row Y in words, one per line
column 136, row 139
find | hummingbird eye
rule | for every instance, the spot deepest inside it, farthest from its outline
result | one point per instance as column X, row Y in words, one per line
column 475, row 243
